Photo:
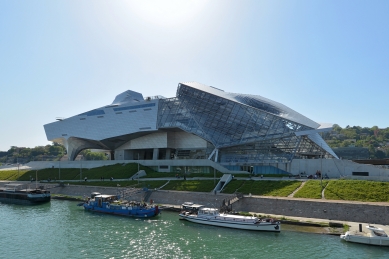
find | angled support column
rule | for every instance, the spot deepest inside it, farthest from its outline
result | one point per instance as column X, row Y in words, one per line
column 213, row 152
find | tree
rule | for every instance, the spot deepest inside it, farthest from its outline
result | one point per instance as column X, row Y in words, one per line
column 380, row 154
column 89, row 155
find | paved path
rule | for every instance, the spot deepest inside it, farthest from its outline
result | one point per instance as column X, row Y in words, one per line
column 301, row 186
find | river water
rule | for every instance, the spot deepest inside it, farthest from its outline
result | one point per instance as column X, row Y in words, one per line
column 61, row 229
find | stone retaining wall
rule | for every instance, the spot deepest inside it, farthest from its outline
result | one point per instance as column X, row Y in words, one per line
column 375, row 213
column 332, row 210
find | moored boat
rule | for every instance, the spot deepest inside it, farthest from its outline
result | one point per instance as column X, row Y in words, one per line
column 374, row 236
column 111, row 204
column 211, row 216
column 21, row 194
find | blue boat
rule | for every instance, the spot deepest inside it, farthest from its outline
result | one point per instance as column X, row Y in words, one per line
column 111, row 204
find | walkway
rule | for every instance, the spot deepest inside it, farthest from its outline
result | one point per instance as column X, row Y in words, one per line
column 301, row 186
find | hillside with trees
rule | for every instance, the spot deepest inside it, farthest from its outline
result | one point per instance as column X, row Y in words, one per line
column 376, row 140
column 52, row 152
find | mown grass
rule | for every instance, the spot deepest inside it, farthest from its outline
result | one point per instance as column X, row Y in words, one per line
column 117, row 171
column 11, row 175
column 357, row 190
column 264, row 187
column 177, row 185
column 234, row 186
column 311, row 190
column 130, row 183
column 189, row 185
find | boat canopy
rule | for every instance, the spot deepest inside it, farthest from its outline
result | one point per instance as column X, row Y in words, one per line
column 191, row 206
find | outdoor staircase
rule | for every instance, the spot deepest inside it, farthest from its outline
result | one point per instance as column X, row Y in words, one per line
column 226, row 205
column 147, row 195
column 226, row 178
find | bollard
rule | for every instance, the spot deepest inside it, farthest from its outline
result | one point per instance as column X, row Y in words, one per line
column 360, row 227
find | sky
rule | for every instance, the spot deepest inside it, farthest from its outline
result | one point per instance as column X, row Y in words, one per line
column 326, row 59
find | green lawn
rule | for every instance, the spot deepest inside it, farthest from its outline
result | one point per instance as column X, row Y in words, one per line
column 233, row 186
column 357, row 190
column 264, row 187
column 11, row 175
column 108, row 183
column 117, row 171
column 312, row 189
column 193, row 186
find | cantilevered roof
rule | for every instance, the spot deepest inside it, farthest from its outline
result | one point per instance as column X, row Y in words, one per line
column 257, row 102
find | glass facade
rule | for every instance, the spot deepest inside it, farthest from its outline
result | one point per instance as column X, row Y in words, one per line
column 245, row 129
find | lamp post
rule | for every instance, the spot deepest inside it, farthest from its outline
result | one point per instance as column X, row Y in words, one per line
column 17, row 161
column 321, row 166
column 80, row 169
column 59, row 169
column 214, row 176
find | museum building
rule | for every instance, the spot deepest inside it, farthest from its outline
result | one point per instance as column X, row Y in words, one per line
column 238, row 131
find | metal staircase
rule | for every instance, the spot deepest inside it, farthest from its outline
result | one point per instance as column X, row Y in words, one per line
column 226, row 205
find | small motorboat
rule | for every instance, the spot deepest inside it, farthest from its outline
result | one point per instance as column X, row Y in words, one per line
column 374, row 236
column 211, row 216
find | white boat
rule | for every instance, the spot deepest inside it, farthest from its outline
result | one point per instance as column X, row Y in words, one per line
column 374, row 236
column 210, row 216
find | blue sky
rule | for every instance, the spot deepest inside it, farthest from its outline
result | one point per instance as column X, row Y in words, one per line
column 328, row 60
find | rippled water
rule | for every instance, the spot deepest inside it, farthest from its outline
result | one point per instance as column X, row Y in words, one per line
column 61, row 229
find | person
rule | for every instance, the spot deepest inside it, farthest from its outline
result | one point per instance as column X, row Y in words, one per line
column 111, row 178
column 86, row 179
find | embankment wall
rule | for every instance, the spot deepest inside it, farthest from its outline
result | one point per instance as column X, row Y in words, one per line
column 364, row 212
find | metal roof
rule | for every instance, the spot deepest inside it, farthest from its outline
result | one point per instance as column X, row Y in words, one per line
column 257, row 102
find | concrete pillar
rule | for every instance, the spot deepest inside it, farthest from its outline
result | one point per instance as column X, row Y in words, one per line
column 168, row 153
column 155, row 153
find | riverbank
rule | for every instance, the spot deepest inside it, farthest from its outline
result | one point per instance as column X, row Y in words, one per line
column 301, row 212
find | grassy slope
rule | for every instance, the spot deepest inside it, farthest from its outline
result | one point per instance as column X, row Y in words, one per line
column 117, row 171
column 194, row 186
column 108, row 183
column 265, row 188
column 312, row 189
column 357, row 190
column 11, row 175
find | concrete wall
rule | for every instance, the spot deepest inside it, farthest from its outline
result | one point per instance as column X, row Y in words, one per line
column 377, row 213
column 333, row 210
column 336, row 168
column 36, row 165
